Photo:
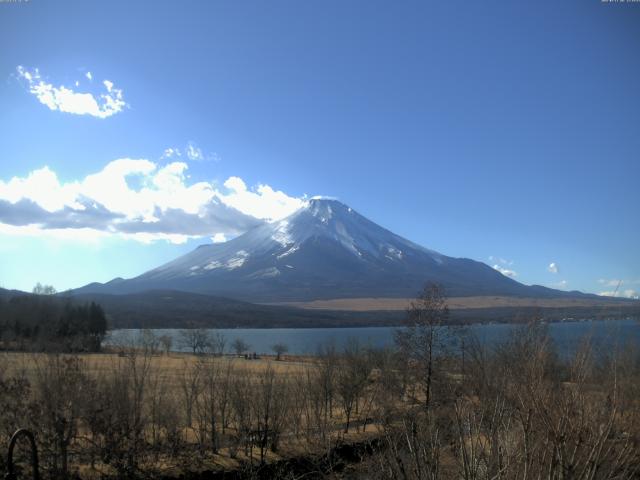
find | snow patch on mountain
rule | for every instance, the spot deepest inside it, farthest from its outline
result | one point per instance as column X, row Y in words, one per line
column 393, row 253
column 281, row 234
column 321, row 210
column 293, row 249
column 265, row 273
column 237, row 261
column 342, row 235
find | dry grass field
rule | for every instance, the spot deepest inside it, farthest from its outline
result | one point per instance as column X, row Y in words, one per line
column 172, row 366
column 455, row 303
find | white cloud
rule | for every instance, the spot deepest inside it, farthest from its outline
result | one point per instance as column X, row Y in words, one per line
column 553, row 267
column 617, row 290
column 263, row 202
column 67, row 100
column 628, row 293
column 505, row 271
column 501, row 266
column 171, row 153
column 193, row 152
column 43, row 188
column 138, row 199
column 219, row 238
column 89, row 76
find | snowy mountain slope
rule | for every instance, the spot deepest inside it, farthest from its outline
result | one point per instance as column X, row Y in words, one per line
column 324, row 250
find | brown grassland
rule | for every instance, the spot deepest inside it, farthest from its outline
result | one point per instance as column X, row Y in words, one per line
column 455, row 303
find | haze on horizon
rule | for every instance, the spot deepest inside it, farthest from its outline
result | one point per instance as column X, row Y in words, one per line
column 498, row 132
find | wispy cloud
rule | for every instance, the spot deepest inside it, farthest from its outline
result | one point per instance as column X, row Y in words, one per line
column 611, row 282
column 194, row 152
column 191, row 152
column 619, row 287
column 165, row 206
column 500, row 260
column 505, row 271
column 66, row 100
column 553, row 268
column 627, row 293
column 171, row 153
column 501, row 264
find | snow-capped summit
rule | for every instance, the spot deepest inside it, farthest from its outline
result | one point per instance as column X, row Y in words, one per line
column 324, row 250
column 330, row 219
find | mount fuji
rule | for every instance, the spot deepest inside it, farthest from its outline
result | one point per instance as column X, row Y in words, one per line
column 325, row 250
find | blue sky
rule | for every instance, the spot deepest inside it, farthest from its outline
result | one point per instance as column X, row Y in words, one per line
column 507, row 132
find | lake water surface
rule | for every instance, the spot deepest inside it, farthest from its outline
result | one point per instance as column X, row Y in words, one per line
column 604, row 334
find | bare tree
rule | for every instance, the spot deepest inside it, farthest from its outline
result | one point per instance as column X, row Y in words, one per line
column 240, row 346
column 60, row 397
column 207, row 404
column 312, row 395
column 280, row 349
column 166, row 341
column 328, row 366
column 148, row 341
column 217, row 344
column 269, row 410
column 424, row 334
column 197, row 340
column 410, row 449
column 190, row 385
column 223, row 395
column 241, row 400
column 352, row 376
column 40, row 289
column 117, row 416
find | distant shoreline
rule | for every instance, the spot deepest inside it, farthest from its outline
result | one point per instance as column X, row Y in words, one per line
column 514, row 322
column 370, row 304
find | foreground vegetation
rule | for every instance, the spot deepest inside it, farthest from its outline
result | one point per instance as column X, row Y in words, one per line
column 425, row 409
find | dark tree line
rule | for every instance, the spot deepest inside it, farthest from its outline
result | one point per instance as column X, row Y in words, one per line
column 45, row 322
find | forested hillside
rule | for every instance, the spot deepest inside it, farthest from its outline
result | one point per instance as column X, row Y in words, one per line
column 45, row 322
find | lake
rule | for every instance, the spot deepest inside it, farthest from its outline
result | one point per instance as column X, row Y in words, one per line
column 566, row 335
